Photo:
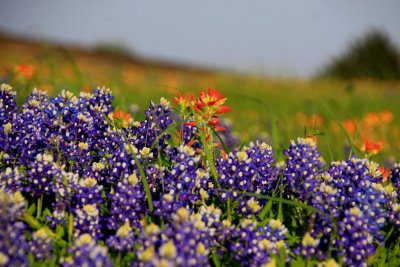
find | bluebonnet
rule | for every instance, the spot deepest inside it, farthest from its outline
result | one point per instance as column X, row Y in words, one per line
column 8, row 104
column 124, row 238
column 185, row 241
column 86, row 252
column 13, row 243
column 127, row 202
column 302, row 165
column 11, row 179
column 252, row 245
column 308, row 246
column 190, row 136
column 42, row 175
column 41, row 245
column 250, row 170
column 355, row 242
column 359, row 184
column 151, row 132
column 395, row 176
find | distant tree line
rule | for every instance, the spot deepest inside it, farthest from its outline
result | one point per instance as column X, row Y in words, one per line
column 373, row 56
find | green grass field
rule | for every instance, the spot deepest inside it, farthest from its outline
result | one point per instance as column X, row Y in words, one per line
column 275, row 109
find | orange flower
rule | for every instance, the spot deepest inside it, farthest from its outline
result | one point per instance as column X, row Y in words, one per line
column 316, row 120
column 183, row 101
column 350, row 127
column 223, row 109
column 211, row 98
column 212, row 101
column 214, row 121
column 371, row 147
column 386, row 116
column 191, row 123
column 219, row 128
column 385, row 173
column 124, row 117
column 371, row 119
column 26, row 71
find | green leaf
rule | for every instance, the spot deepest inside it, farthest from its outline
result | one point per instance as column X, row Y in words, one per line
column 216, row 260
column 280, row 211
column 46, row 212
column 60, row 231
column 267, row 208
column 32, row 208
column 70, row 227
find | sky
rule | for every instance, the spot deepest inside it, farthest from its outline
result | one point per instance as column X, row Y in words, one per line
column 277, row 38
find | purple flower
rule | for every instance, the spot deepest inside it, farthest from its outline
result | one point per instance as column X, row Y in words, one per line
column 252, row 245
column 42, row 175
column 124, row 238
column 127, row 202
column 41, row 245
column 86, row 252
column 355, row 240
column 13, row 244
column 303, row 163
column 8, row 105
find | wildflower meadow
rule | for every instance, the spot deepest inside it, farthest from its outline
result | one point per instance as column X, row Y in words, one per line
column 83, row 182
column 156, row 171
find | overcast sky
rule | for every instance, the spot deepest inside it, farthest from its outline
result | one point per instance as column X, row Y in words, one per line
column 272, row 37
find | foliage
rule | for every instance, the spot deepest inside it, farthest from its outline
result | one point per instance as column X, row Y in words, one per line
column 372, row 56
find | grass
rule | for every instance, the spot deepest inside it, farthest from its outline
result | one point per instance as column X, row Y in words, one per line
column 276, row 109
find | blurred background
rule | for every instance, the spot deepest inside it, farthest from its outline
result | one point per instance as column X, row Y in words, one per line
column 307, row 68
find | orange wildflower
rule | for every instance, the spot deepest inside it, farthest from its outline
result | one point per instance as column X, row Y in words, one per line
column 183, row 101
column 371, row 146
column 386, row 116
column 385, row 173
column 25, row 71
column 214, row 100
column 212, row 97
column 124, row 117
column 316, row 120
column 350, row 127
column 372, row 119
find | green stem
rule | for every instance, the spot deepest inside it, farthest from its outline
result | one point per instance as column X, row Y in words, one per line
column 143, row 179
column 207, row 150
column 118, row 260
column 70, row 226
column 308, row 262
column 389, row 234
column 39, row 207
column 229, row 207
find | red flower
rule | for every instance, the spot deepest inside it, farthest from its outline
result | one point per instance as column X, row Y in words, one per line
column 214, row 121
column 223, row 109
column 371, row 146
column 26, row 71
column 211, row 98
column 123, row 116
column 385, row 173
column 350, row 127
column 183, row 100
column 219, row 128
column 191, row 123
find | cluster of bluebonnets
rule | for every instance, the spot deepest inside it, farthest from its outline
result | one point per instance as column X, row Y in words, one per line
column 81, row 187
